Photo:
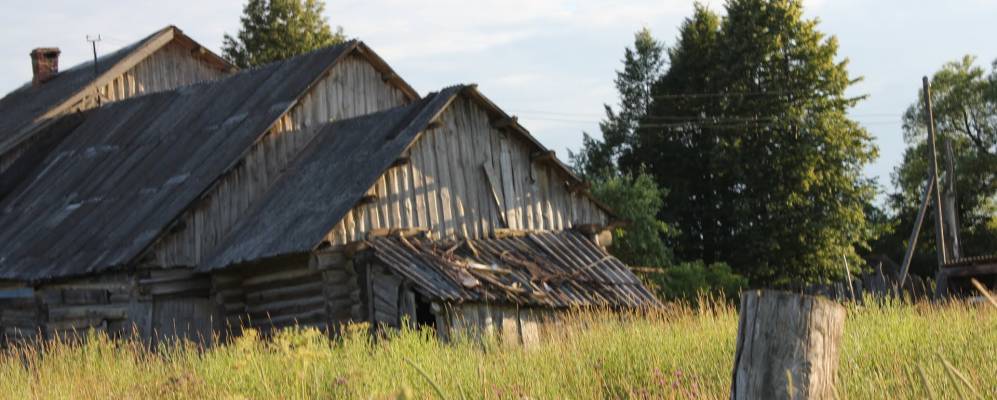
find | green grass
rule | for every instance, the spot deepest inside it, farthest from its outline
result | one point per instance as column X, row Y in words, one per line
column 889, row 351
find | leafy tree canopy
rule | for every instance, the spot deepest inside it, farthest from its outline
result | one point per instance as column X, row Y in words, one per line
column 636, row 200
column 747, row 128
column 274, row 30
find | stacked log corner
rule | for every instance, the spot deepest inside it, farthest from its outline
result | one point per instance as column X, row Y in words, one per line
column 787, row 346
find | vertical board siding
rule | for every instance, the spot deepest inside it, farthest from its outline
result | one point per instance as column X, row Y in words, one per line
column 443, row 187
column 352, row 88
column 168, row 68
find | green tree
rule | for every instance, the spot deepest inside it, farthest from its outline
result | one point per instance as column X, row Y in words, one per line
column 748, row 129
column 642, row 66
column 964, row 104
column 680, row 149
column 274, row 30
column 636, row 200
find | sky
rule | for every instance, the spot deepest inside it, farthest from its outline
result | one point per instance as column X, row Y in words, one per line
column 550, row 62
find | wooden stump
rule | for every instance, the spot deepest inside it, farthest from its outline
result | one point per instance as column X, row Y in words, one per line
column 787, row 346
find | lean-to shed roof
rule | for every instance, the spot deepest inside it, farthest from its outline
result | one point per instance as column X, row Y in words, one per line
column 563, row 269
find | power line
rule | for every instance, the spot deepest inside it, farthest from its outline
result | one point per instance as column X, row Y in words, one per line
column 889, row 116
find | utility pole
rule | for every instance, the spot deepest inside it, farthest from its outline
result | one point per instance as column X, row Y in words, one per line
column 93, row 42
column 941, row 279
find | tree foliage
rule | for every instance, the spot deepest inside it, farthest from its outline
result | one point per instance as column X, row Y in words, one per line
column 964, row 105
column 274, row 30
column 642, row 66
column 634, row 197
column 690, row 280
column 636, row 200
column 747, row 129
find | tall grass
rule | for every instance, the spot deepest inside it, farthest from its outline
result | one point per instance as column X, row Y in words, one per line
column 892, row 350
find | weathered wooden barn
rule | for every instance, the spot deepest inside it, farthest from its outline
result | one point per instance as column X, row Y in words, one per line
column 317, row 190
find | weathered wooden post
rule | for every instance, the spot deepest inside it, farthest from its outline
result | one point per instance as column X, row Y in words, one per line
column 787, row 346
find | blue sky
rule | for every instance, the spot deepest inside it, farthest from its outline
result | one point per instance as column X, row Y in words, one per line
column 550, row 62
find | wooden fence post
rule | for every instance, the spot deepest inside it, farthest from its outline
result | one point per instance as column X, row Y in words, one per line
column 787, row 346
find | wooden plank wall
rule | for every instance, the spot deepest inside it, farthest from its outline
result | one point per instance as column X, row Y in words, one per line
column 443, row 187
column 168, row 68
column 352, row 88
column 503, row 323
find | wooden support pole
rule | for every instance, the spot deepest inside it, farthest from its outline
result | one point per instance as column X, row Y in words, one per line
column 949, row 201
column 848, row 277
column 933, row 164
column 787, row 346
column 929, row 188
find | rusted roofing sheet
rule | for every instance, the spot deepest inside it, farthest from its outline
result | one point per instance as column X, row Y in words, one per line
column 562, row 269
column 116, row 182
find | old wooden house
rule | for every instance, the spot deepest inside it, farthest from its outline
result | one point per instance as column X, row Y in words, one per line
column 314, row 191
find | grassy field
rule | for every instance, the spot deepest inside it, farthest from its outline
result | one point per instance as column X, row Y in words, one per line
column 890, row 351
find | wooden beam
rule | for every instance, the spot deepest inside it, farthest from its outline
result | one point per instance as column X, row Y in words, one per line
column 389, row 76
column 543, row 156
column 368, row 199
column 434, row 124
column 929, row 187
column 403, row 160
column 503, row 123
column 971, row 270
column 582, row 186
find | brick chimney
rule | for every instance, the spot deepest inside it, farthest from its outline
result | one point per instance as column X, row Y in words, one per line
column 44, row 64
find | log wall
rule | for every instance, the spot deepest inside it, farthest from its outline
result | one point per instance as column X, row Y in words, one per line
column 152, row 304
column 444, row 187
column 321, row 291
column 352, row 88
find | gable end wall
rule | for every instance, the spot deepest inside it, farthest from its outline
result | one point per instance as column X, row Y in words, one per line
column 443, row 187
column 352, row 88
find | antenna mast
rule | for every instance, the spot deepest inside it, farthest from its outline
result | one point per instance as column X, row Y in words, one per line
column 93, row 42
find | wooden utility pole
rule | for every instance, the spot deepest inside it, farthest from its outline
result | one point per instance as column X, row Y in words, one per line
column 933, row 164
column 787, row 346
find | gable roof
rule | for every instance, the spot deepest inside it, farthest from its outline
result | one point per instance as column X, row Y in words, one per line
column 326, row 180
column 29, row 104
column 334, row 173
column 562, row 269
column 116, row 182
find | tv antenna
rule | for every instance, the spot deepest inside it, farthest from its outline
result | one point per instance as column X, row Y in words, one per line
column 93, row 42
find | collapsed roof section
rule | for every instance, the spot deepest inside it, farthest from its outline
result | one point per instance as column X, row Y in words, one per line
column 562, row 270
